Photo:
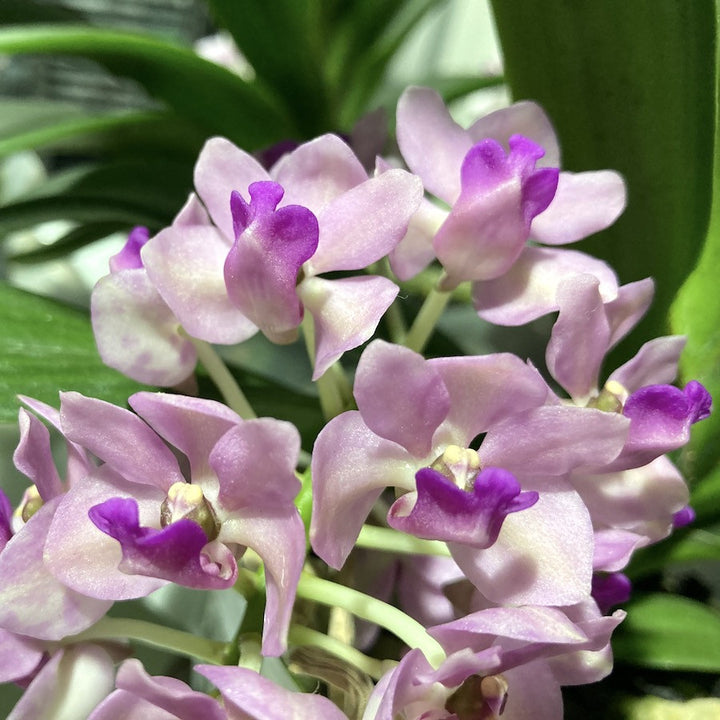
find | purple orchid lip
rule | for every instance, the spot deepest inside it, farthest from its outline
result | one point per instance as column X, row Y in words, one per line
column 271, row 245
column 176, row 552
column 443, row 511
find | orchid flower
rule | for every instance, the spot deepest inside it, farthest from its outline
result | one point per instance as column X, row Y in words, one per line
column 497, row 202
column 139, row 523
column 315, row 212
column 415, row 435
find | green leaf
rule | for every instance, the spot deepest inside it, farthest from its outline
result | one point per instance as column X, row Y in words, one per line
column 669, row 632
column 629, row 86
column 46, row 348
column 705, row 498
column 285, row 43
column 213, row 98
column 696, row 311
column 682, row 548
column 35, row 125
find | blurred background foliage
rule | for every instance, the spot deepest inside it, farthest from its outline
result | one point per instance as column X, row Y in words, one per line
column 104, row 107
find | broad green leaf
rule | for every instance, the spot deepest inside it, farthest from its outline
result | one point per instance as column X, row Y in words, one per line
column 629, row 86
column 46, row 348
column 684, row 547
column 669, row 632
column 215, row 99
column 696, row 312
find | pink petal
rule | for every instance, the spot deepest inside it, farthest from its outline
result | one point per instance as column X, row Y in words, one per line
column 110, row 432
column 137, row 333
column 186, row 263
column 642, row 500
column 19, row 656
column 82, row 556
column 522, row 118
column 351, row 466
column 33, row 457
column 552, row 540
column 192, row 425
column 625, row 311
column 32, row 601
column 346, row 313
column 528, row 290
column 406, row 412
column 279, row 539
column 553, row 440
column 318, row 172
column 580, row 336
column 365, row 223
column 70, row 685
column 655, row 363
column 484, row 390
column 221, row 168
column 432, row 144
column 415, row 251
column 247, row 694
column 584, row 204
column 255, row 464
column 140, row 696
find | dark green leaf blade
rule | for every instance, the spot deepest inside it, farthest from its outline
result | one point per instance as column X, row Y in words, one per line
column 47, row 347
column 669, row 632
column 629, row 86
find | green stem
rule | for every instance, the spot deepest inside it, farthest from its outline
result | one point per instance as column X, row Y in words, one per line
column 430, row 312
column 333, row 387
column 388, row 540
column 410, row 631
column 303, row 636
column 223, row 378
column 158, row 636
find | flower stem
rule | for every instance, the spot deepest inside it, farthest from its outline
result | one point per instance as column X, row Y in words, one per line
column 222, row 377
column 159, row 636
column 303, row 636
column 388, row 540
column 333, row 387
column 410, row 631
column 425, row 321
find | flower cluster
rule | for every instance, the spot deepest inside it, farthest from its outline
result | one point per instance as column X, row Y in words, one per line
column 519, row 493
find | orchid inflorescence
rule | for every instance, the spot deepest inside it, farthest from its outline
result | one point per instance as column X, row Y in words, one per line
column 518, row 495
